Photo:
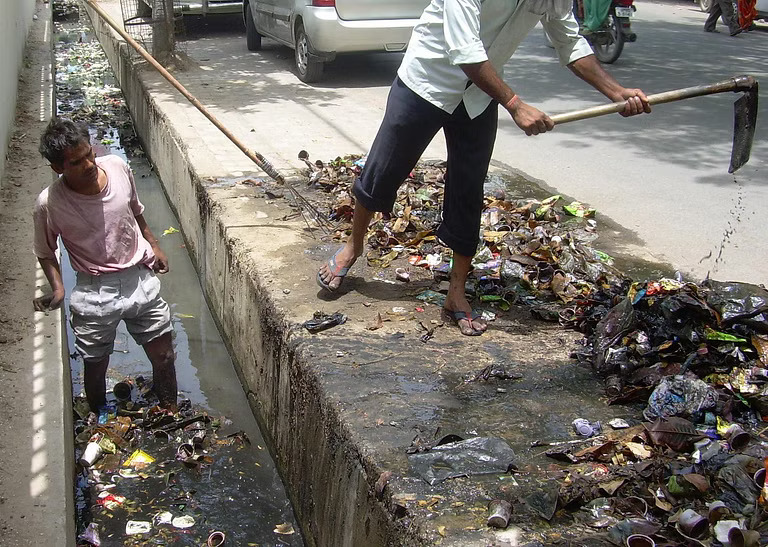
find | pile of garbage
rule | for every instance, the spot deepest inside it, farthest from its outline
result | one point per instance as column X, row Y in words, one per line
column 692, row 472
column 143, row 471
column 533, row 252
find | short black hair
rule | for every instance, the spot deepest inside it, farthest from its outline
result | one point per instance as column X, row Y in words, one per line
column 61, row 135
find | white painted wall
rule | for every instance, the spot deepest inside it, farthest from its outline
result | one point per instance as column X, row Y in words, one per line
column 15, row 20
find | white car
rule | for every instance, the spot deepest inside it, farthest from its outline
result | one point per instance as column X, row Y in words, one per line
column 198, row 7
column 318, row 30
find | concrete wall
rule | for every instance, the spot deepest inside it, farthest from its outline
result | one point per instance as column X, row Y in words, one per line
column 15, row 20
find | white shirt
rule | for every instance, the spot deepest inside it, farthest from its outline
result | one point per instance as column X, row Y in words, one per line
column 455, row 32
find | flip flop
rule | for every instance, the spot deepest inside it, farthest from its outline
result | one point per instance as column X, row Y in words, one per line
column 337, row 272
column 457, row 316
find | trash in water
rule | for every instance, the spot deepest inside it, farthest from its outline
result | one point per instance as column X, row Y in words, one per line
column 184, row 521
column 170, row 230
column 321, row 321
column 285, row 529
column 139, row 458
column 137, row 527
column 499, row 512
column 91, row 535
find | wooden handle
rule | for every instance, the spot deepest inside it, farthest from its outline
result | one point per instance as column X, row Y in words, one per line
column 739, row 83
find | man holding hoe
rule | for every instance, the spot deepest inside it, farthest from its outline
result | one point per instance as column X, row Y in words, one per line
column 450, row 78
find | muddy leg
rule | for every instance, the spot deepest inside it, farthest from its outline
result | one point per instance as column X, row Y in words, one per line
column 95, row 372
column 160, row 353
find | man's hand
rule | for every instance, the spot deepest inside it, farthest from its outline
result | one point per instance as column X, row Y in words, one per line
column 637, row 102
column 48, row 302
column 161, row 261
column 528, row 118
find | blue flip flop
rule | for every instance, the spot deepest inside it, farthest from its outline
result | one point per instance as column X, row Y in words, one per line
column 457, row 316
column 337, row 272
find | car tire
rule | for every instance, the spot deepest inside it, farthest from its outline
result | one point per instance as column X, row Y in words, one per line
column 705, row 5
column 252, row 38
column 307, row 69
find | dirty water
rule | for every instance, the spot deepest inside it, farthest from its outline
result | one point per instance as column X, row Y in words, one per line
column 239, row 492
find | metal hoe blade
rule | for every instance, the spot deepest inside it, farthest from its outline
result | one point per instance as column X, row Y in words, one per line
column 744, row 122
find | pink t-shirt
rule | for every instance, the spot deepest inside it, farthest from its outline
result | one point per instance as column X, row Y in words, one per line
column 100, row 231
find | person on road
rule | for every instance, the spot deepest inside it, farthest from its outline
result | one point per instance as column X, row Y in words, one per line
column 722, row 8
column 93, row 206
column 747, row 14
column 451, row 78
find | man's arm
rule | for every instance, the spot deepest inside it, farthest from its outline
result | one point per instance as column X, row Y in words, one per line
column 528, row 118
column 591, row 71
column 161, row 260
column 53, row 300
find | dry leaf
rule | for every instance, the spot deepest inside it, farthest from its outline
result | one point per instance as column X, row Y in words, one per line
column 699, row 481
column 285, row 529
column 610, row 487
column 638, row 450
column 376, row 324
column 677, row 433
column 441, row 530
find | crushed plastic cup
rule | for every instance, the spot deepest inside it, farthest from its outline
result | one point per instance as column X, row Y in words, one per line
column 693, row 524
column 499, row 512
column 640, row 540
column 184, row 521
column 122, row 391
column 737, row 437
column 91, row 454
column 216, row 539
column 133, row 527
column 738, row 537
column 584, row 428
column 718, row 510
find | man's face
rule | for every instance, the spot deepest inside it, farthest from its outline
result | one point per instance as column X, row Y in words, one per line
column 79, row 166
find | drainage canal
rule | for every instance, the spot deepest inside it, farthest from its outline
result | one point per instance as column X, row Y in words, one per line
column 222, row 490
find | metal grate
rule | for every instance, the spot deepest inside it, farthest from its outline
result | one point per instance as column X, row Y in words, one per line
column 156, row 24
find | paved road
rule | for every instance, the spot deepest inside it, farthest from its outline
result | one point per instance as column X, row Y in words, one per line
column 662, row 177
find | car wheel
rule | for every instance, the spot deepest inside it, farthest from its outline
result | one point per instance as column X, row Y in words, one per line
column 307, row 69
column 252, row 38
column 704, row 5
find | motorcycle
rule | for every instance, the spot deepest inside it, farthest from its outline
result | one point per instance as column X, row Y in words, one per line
column 608, row 37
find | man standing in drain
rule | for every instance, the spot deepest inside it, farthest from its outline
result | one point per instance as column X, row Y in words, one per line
column 450, row 78
column 94, row 207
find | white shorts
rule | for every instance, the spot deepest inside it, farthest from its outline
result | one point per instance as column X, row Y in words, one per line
column 99, row 302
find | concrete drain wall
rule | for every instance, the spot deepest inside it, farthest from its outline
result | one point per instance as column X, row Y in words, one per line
column 331, row 492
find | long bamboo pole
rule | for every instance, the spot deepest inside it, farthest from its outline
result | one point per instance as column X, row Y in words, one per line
column 257, row 158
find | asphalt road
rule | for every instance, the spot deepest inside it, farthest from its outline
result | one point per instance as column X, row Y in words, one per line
column 662, row 177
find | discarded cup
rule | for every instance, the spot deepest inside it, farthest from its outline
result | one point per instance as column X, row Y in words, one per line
column 584, row 428
column 613, row 385
column 499, row 512
column 185, row 451
column 743, row 538
column 692, row 524
column 91, row 453
column 717, row 511
column 137, row 527
column 122, row 391
column 216, row 539
column 759, row 477
column 737, row 437
column 639, row 540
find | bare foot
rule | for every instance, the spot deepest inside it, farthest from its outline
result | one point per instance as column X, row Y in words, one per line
column 468, row 325
column 344, row 258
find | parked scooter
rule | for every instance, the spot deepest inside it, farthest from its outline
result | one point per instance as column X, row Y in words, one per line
column 605, row 24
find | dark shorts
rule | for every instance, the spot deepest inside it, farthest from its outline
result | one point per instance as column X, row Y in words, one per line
column 410, row 123
column 99, row 302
